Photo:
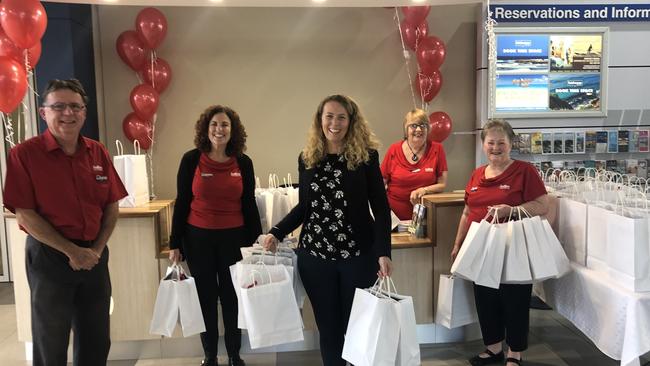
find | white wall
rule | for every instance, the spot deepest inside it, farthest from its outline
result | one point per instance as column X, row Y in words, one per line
column 274, row 65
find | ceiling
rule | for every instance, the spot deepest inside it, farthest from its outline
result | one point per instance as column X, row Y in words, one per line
column 271, row 3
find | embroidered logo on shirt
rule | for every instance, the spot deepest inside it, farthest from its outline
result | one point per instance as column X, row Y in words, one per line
column 504, row 186
column 428, row 170
column 235, row 174
column 206, row 175
column 98, row 168
column 101, row 178
column 473, row 189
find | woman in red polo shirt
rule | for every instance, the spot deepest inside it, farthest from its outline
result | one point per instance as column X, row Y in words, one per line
column 215, row 214
column 414, row 166
column 501, row 184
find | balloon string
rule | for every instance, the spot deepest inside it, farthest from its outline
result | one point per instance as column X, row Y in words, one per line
column 150, row 155
column 153, row 79
column 490, row 23
column 9, row 129
column 406, row 58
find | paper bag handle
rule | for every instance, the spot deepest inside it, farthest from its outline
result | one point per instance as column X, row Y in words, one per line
column 119, row 147
column 136, row 147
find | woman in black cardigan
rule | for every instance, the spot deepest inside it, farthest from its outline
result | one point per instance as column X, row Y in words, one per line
column 215, row 214
column 341, row 246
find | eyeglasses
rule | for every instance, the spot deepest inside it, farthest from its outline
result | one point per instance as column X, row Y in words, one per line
column 60, row 107
column 414, row 126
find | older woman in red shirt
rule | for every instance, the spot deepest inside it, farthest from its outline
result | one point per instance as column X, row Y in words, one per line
column 501, row 184
column 414, row 166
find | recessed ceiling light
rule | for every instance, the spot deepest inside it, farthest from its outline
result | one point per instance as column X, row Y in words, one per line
column 318, row 1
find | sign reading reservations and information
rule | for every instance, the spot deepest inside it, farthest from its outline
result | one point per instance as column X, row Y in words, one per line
column 571, row 13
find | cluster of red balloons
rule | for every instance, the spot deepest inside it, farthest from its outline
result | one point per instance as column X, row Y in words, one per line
column 135, row 48
column 22, row 25
column 430, row 51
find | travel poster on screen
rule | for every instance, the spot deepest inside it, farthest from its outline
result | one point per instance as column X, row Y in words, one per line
column 522, row 53
column 521, row 93
column 575, row 52
column 575, row 92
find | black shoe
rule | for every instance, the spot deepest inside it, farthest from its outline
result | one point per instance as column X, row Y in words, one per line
column 514, row 360
column 492, row 358
column 236, row 361
column 209, row 362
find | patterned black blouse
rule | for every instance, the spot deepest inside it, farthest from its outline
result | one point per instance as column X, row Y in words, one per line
column 327, row 234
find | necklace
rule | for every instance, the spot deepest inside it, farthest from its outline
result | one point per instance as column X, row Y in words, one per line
column 415, row 155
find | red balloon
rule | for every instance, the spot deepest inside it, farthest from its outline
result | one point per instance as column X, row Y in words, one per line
column 415, row 14
column 151, row 25
column 413, row 35
column 24, row 21
column 428, row 86
column 131, row 49
column 135, row 128
column 13, row 84
column 431, row 54
column 9, row 49
column 440, row 126
column 161, row 75
column 144, row 100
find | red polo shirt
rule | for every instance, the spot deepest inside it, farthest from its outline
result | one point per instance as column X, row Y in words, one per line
column 518, row 184
column 403, row 177
column 217, row 189
column 70, row 192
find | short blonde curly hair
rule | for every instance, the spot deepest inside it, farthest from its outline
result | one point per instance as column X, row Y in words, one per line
column 358, row 140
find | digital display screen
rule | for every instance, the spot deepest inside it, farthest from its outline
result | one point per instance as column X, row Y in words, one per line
column 546, row 73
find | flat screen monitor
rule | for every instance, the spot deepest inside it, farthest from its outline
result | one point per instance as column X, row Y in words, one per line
column 549, row 72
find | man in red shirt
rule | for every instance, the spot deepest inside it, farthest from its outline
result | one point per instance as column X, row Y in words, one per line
column 64, row 191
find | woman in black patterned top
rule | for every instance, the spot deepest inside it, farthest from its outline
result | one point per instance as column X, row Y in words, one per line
column 341, row 246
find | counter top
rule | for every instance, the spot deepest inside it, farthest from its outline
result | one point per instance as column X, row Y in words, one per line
column 150, row 209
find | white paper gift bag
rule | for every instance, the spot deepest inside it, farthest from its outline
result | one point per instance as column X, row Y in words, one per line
column 470, row 257
column 628, row 250
column 561, row 259
column 573, row 229
column 132, row 170
column 542, row 263
column 597, row 218
column 516, row 268
column 492, row 267
column 270, row 309
column 456, row 306
column 176, row 296
column 408, row 348
column 373, row 330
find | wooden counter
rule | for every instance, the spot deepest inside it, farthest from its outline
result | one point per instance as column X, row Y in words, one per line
column 419, row 263
column 133, row 264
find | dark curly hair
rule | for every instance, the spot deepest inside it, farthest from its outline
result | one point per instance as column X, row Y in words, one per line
column 237, row 143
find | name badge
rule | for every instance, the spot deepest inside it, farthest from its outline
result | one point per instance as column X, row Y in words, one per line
column 428, row 170
column 101, row 178
column 504, row 187
column 206, row 175
column 415, row 171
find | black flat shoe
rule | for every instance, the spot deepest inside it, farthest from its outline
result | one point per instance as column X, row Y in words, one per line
column 491, row 359
column 209, row 362
column 514, row 360
column 236, row 361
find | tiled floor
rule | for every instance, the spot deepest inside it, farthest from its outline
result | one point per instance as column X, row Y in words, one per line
column 553, row 341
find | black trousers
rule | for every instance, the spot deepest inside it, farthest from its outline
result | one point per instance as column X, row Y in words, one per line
column 330, row 286
column 503, row 313
column 63, row 299
column 210, row 253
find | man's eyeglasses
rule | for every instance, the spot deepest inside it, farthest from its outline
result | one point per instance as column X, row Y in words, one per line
column 60, row 107
column 414, row 126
